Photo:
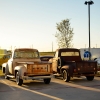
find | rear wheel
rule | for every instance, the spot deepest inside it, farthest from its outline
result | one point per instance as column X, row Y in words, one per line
column 47, row 81
column 18, row 80
column 90, row 78
column 66, row 76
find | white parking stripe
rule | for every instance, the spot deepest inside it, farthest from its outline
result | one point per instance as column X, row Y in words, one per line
column 77, row 86
column 7, row 84
column 46, row 95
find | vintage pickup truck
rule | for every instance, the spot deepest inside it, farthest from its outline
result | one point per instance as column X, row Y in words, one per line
column 67, row 63
column 25, row 64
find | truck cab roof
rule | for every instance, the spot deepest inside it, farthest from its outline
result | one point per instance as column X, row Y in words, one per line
column 69, row 54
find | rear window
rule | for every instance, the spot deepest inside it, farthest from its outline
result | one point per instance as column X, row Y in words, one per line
column 69, row 53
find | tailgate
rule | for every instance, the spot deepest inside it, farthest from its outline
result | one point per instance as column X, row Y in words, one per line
column 39, row 69
column 86, row 66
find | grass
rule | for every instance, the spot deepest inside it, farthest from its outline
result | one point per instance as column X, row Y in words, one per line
column 46, row 53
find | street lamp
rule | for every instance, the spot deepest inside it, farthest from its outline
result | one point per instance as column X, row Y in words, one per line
column 89, row 3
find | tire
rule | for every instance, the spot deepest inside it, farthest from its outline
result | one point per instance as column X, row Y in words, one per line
column 66, row 77
column 18, row 80
column 6, row 72
column 90, row 78
column 47, row 81
column 3, row 70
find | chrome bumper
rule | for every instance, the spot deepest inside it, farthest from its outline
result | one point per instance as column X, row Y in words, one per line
column 35, row 77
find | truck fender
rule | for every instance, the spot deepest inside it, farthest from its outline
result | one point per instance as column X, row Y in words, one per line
column 3, row 67
column 6, row 70
column 69, row 69
column 65, row 67
column 21, row 70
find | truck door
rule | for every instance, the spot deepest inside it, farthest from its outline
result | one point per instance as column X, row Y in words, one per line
column 55, row 62
column 10, row 65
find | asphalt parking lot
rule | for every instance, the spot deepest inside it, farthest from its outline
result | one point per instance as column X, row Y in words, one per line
column 76, row 89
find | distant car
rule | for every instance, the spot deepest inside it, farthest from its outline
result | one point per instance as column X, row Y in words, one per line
column 98, row 65
column 4, row 58
column 98, row 61
column 45, row 58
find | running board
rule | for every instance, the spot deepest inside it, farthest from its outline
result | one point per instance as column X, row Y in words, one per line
column 57, row 74
column 11, row 76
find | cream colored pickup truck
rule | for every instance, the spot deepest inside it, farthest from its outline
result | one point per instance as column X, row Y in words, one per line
column 25, row 64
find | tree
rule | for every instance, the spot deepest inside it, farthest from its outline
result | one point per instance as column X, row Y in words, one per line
column 65, row 34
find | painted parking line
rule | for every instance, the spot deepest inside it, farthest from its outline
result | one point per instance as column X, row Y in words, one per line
column 33, row 91
column 78, row 86
column 7, row 84
column 39, row 93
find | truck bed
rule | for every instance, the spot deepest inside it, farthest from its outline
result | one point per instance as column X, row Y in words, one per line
column 86, row 66
column 39, row 69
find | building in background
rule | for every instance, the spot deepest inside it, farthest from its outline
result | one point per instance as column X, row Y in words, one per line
column 94, row 53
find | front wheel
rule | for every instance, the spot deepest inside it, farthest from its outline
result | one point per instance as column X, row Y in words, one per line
column 66, row 76
column 90, row 78
column 6, row 72
column 47, row 81
column 18, row 80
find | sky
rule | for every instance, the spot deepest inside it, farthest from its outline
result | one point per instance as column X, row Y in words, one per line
column 32, row 23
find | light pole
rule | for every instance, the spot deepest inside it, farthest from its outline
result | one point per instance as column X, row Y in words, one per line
column 52, row 46
column 89, row 3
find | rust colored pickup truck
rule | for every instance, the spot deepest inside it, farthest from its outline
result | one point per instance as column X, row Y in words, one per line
column 25, row 64
column 67, row 63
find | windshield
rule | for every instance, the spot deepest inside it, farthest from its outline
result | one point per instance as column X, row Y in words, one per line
column 26, row 54
column 69, row 53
